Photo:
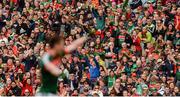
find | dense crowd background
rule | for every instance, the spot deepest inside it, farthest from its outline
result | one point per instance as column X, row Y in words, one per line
column 133, row 48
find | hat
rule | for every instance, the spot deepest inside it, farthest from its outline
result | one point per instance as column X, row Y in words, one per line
column 41, row 26
column 91, row 55
column 133, row 75
column 159, row 60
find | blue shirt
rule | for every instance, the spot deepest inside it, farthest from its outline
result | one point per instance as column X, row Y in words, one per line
column 93, row 70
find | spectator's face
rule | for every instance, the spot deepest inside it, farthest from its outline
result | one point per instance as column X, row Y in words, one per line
column 170, row 27
column 176, row 90
column 61, row 85
column 117, row 83
column 17, row 63
column 0, row 6
column 3, row 29
column 125, row 93
column 123, row 17
column 30, row 41
column 171, row 85
column 124, row 59
column 144, row 30
column 72, row 76
column 111, row 73
column 32, row 71
column 27, row 75
column 13, row 84
column 8, row 81
column 10, row 61
column 134, row 59
column 130, row 23
column 129, row 80
column 134, row 33
column 148, row 21
column 19, row 21
column 3, row 44
column 26, row 93
column 96, row 88
column 159, row 23
column 98, row 41
column 124, row 45
column 28, row 81
column 1, row 71
column 167, row 91
column 121, row 23
column 20, row 71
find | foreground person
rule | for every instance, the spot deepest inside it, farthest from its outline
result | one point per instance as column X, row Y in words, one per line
column 50, row 64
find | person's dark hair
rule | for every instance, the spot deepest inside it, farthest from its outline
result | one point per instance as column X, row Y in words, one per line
column 95, row 95
column 55, row 40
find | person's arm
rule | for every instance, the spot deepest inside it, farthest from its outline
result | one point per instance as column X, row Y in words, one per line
column 53, row 69
column 75, row 44
column 97, row 64
column 87, row 61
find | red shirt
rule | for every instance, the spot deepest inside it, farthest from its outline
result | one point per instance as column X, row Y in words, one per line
column 21, row 67
column 29, row 87
column 137, row 43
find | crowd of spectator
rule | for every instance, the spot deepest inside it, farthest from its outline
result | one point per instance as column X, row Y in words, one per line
column 133, row 48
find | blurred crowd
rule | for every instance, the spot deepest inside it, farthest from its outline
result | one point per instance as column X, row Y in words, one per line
column 133, row 48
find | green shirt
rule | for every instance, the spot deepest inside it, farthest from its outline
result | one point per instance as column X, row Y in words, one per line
column 178, row 75
column 49, row 81
column 111, row 81
column 100, row 23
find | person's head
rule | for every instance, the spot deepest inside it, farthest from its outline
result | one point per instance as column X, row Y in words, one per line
column 28, row 81
column 130, row 23
column 170, row 27
column 13, row 84
column 111, row 73
column 95, row 95
column 113, row 92
column 61, row 85
column 71, row 77
column 26, row 92
column 96, row 88
column 158, row 23
column 125, row 93
column 56, row 43
column 117, row 83
column 176, row 89
column 144, row 30
column 171, row 85
column 17, row 63
column 101, row 83
column 125, row 59
column 20, row 71
column 149, row 21
column 8, row 81
column 27, row 75
column 10, row 61
column 124, row 45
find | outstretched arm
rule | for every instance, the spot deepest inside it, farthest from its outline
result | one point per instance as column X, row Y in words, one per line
column 75, row 44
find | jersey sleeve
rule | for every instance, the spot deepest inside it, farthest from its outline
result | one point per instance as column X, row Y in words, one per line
column 45, row 59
